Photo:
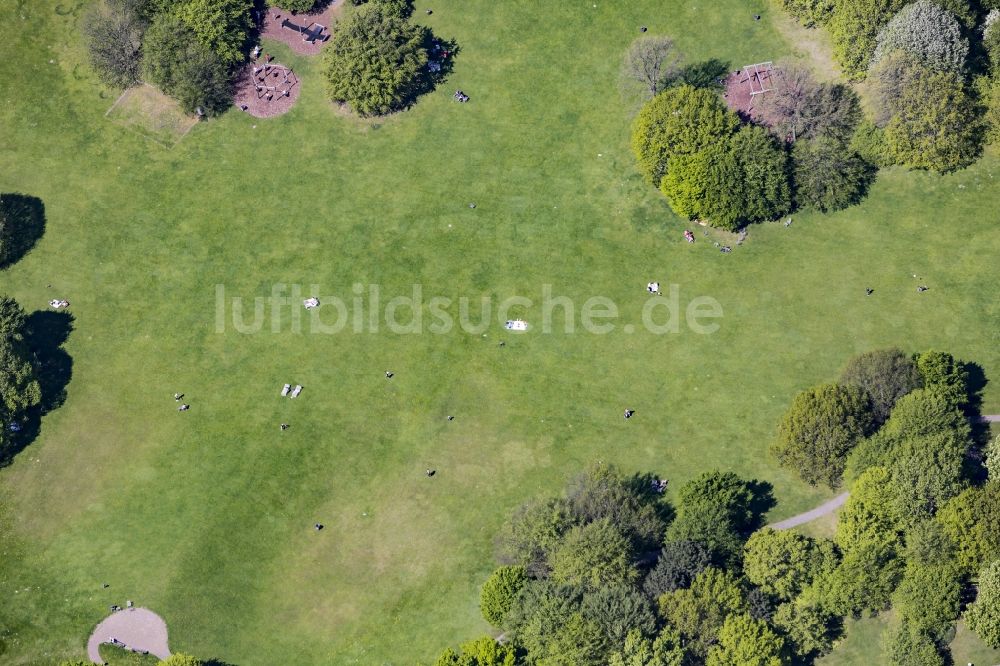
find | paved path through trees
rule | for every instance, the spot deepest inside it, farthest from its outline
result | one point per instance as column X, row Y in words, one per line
column 137, row 628
column 811, row 514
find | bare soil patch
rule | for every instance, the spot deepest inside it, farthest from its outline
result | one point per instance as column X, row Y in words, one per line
column 146, row 110
column 265, row 90
column 310, row 42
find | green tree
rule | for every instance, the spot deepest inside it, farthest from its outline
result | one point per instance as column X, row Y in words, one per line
column 678, row 564
column 808, row 627
column 113, row 31
column 928, row 545
column 665, row 650
column 936, row 125
column 929, row 597
column 603, row 492
column 19, row 388
column 593, row 555
column 927, row 411
column 534, row 530
column 926, row 472
column 617, row 609
column 984, row 615
column 763, row 169
column 908, row 646
column 782, row 563
column 828, row 175
column 885, row 376
column 678, row 121
column 993, row 459
column 294, row 5
column 715, row 510
column 699, row 612
column 868, row 141
column 972, row 522
column 181, row 67
column 500, row 592
column 543, row 610
column 485, row 651
column 928, row 33
column 945, row 375
column 744, row 641
column 376, row 62
column 864, row 580
column 854, row 26
column 222, row 26
column 819, row 429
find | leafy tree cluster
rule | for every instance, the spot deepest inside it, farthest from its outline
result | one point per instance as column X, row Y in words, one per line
column 917, row 402
column 378, row 62
column 188, row 48
column 595, row 576
column 691, row 147
column 609, row 573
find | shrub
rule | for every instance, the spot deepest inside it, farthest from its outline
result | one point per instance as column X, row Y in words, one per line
column 869, row 143
column 819, row 429
column 376, row 62
column 929, row 34
column 678, row 121
column 113, row 30
column 809, row 12
column 828, row 175
column 499, row 593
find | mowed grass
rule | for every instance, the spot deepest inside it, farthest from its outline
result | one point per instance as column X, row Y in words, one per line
column 206, row 516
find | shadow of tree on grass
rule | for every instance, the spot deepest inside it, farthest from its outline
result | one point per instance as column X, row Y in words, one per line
column 46, row 332
column 22, row 223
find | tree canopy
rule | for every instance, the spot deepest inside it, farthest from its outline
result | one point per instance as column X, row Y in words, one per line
column 376, row 64
column 885, row 376
column 819, row 429
column 113, row 30
column 928, row 33
column 984, row 615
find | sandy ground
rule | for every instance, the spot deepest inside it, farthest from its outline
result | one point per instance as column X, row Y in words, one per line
column 138, row 628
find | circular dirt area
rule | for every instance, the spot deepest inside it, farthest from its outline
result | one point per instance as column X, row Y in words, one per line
column 305, row 34
column 135, row 628
column 737, row 94
column 266, row 89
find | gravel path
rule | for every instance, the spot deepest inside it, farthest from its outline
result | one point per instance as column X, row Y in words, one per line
column 138, row 628
column 811, row 514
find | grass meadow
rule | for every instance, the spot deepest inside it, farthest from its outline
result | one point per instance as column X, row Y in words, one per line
column 206, row 516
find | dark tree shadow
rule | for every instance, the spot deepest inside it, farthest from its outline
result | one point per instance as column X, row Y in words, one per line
column 709, row 73
column 22, row 223
column 217, row 662
column 761, row 502
column 974, row 465
column 440, row 64
column 46, row 332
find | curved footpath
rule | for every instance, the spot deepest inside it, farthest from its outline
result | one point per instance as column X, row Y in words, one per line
column 137, row 628
column 838, row 501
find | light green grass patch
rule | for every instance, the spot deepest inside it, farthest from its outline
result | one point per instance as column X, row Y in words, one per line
column 152, row 114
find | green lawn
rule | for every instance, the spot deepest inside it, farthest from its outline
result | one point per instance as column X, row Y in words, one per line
column 206, row 517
